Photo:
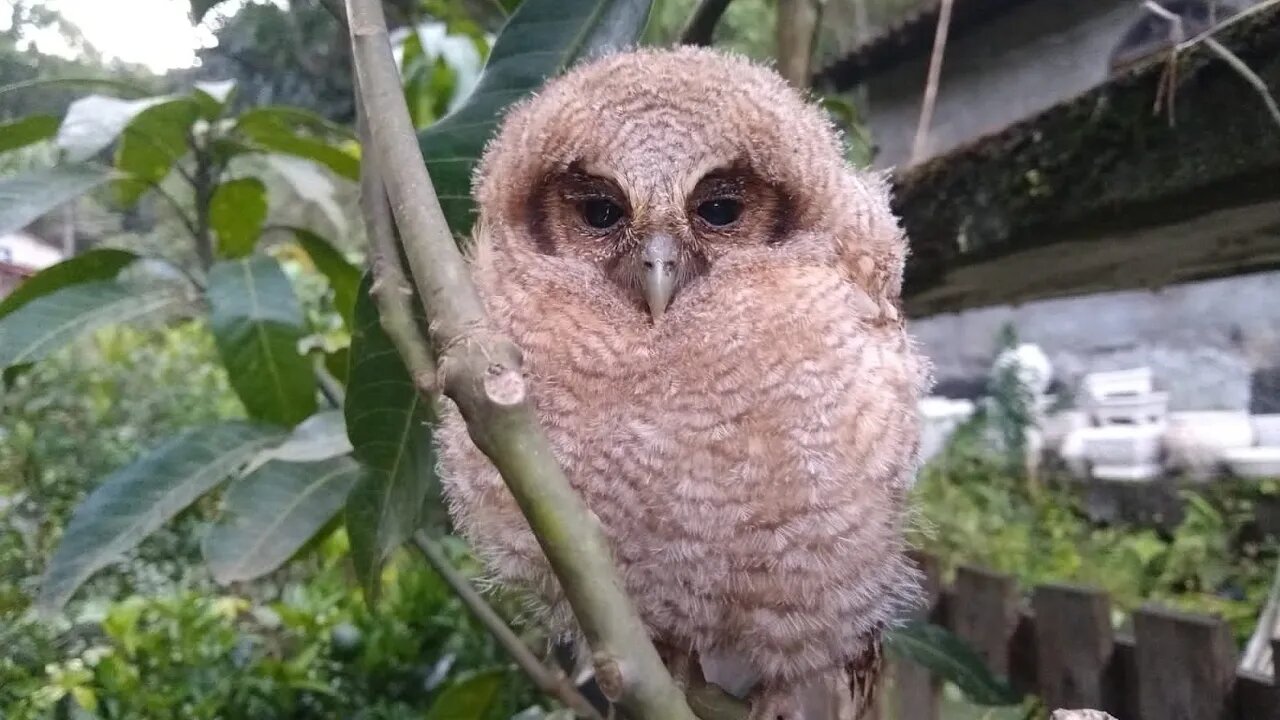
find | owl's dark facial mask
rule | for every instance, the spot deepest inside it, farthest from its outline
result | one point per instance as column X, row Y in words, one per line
column 654, row 245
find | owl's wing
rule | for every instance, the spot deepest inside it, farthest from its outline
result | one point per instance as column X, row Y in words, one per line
column 871, row 247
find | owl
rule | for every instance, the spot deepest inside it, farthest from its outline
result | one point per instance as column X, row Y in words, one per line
column 707, row 299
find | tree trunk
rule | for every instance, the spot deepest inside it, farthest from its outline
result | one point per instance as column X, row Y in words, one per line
column 796, row 29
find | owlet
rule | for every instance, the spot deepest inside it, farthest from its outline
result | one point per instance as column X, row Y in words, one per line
column 707, row 297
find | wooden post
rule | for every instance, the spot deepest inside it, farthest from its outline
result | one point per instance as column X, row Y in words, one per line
column 1074, row 643
column 1186, row 665
column 918, row 693
column 1122, row 677
column 985, row 614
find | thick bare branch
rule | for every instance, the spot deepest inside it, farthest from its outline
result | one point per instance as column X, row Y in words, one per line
column 480, row 370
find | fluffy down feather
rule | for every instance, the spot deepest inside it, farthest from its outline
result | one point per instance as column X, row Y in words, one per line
column 748, row 452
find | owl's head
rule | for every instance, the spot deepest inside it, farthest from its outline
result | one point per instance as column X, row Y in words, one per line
column 656, row 165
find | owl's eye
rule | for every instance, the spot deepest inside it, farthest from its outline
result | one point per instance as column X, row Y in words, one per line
column 601, row 213
column 720, row 212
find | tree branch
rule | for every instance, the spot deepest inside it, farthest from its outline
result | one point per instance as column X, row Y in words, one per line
column 931, row 84
column 480, row 370
column 702, row 23
column 390, row 288
column 552, row 683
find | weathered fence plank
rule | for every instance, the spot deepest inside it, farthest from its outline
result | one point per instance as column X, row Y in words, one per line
column 1074, row 644
column 1256, row 697
column 1122, row 674
column 1186, row 665
column 985, row 614
column 917, row 692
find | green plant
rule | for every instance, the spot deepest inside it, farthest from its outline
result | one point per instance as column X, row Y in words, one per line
column 317, row 650
column 974, row 511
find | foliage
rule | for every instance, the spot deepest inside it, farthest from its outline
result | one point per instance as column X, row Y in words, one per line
column 315, row 650
column 82, row 413
column 974, row 511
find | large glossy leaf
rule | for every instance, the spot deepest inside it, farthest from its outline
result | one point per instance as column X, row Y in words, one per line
column 273, row 511
column 94, row 122
column 26, row 196
column 257, row 323
column 343, row 277
column 149, row 146
column 473, row 698
column 387, row 422
column 236, row 212
column 312, row 183
column 48, row 322
column 99, row 264
column 322, row 436
column 27, row 131
column 135, row 501
column 284, row 132
column 542, row 38
column 951, row 659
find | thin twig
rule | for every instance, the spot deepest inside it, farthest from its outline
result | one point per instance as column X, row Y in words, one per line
column 391, row 289
column 480, row 370
column 701, row 25
column 1247, row 73
column 1178, row 37
column 187, row 222
column 931, row 83
column 550, row 682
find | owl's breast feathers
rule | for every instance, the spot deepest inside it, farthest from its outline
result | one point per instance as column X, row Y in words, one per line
column 748, row 457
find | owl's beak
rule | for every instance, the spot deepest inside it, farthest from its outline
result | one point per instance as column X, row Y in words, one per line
column 660, row 257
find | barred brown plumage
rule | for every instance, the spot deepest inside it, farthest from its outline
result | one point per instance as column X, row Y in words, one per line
column 707, row 299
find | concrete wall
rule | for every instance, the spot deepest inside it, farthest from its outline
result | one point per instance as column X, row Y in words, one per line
column 1019, row 64
column 1212, row 344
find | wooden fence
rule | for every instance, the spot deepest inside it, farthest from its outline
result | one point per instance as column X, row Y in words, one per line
column 1175, row 666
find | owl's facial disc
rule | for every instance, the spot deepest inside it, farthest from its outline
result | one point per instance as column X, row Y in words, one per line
column 661, row 256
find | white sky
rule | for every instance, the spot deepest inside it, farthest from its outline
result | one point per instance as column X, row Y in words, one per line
column 155, row 33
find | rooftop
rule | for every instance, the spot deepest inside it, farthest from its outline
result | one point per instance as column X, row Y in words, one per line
column 1096, row 193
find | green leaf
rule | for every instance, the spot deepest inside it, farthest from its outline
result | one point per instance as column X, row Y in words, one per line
column 94, row 122
column 27, row 196
column 213, row 97
column 135, row 501
column 338, row 363
column 257, row 323
column 343, row 277
column 236, row 212
column 275, row 130
column 46, row 323
column 27, row 131
column 123, row 87
column 99, row 264
column 950, row 658
column 388, row 423
column 542, row 38
column 473, row 698
column 270, row 513
column 283, row 116
column 322, row 436
column 150, row 144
